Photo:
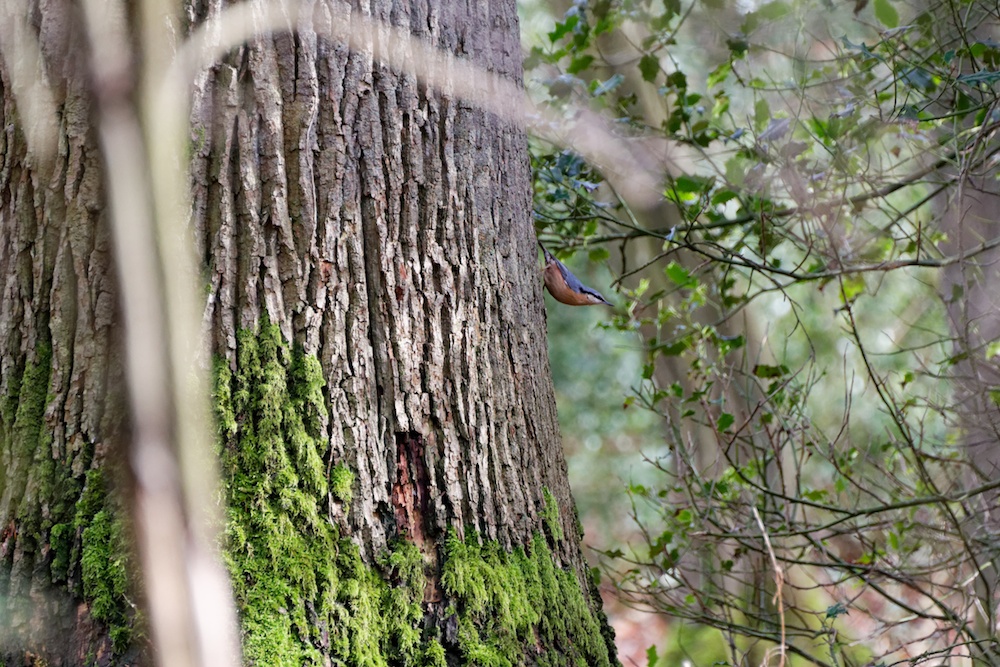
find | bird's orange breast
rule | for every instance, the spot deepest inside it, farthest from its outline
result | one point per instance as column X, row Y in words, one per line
column 560, row 291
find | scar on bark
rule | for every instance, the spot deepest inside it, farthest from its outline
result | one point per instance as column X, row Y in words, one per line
column 410, row 503
column 409, row 493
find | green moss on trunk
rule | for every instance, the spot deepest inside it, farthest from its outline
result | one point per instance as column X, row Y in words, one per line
column 29, row 426
column 103, row 554
column 67, row 520
column 303, row 590
column 550, row 515
column 514, row 605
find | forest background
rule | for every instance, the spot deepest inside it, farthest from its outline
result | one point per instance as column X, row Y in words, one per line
column 783, row 436
column 806, row 341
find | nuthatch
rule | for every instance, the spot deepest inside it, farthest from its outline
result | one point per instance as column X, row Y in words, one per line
column 565, row 287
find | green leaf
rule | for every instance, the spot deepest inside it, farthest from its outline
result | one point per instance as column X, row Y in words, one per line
column 649, row 65
column 535, row 57
column 816, row 495
column 852, row 286
column 737, row 46
column 766, row 13
column 724, row 422
column 995, row 396
column 673, row 349
column 678, row 80
column 599, row 254
column 651, row 657
column 580, row 63
column 719, row 74
column 687, row 183
column 761, row 114
column 729, row 343
column 886, row 13
column 766, row 371
column 835, row 610
column 982, row 76
column 723, row 196
column 677, row 274
column 774, row 10
column 564, row 27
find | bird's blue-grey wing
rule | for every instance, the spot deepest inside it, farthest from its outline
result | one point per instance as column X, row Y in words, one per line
column 571, row 281
column 574, row 283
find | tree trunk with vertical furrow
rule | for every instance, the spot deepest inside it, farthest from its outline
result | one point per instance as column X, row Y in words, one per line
column 396, row 488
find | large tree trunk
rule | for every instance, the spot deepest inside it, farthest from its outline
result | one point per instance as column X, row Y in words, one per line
column 396, row 487
column 60, row 380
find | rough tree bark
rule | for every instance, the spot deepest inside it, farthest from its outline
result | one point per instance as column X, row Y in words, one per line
column 396, row 488
column 61, row 408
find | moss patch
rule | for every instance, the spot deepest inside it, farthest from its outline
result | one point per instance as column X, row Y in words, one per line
column 342, row 484
column 72, row 515
column 281, row 550
column 28, row 420
column 303, row 591
column 519, row 608
column 550, row 515
column 104, row 560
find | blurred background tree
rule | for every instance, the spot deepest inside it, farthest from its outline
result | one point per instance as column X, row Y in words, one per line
column 804, row 348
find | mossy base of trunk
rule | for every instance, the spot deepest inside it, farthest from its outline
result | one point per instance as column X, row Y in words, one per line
column 62, row 541
column 304, row 593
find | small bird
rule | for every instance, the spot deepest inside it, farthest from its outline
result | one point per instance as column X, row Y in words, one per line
column 565, row 287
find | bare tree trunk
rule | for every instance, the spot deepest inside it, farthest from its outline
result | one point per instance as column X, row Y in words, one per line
column 396, row 487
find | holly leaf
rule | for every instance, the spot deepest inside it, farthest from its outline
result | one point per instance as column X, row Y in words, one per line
column 650, row 67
